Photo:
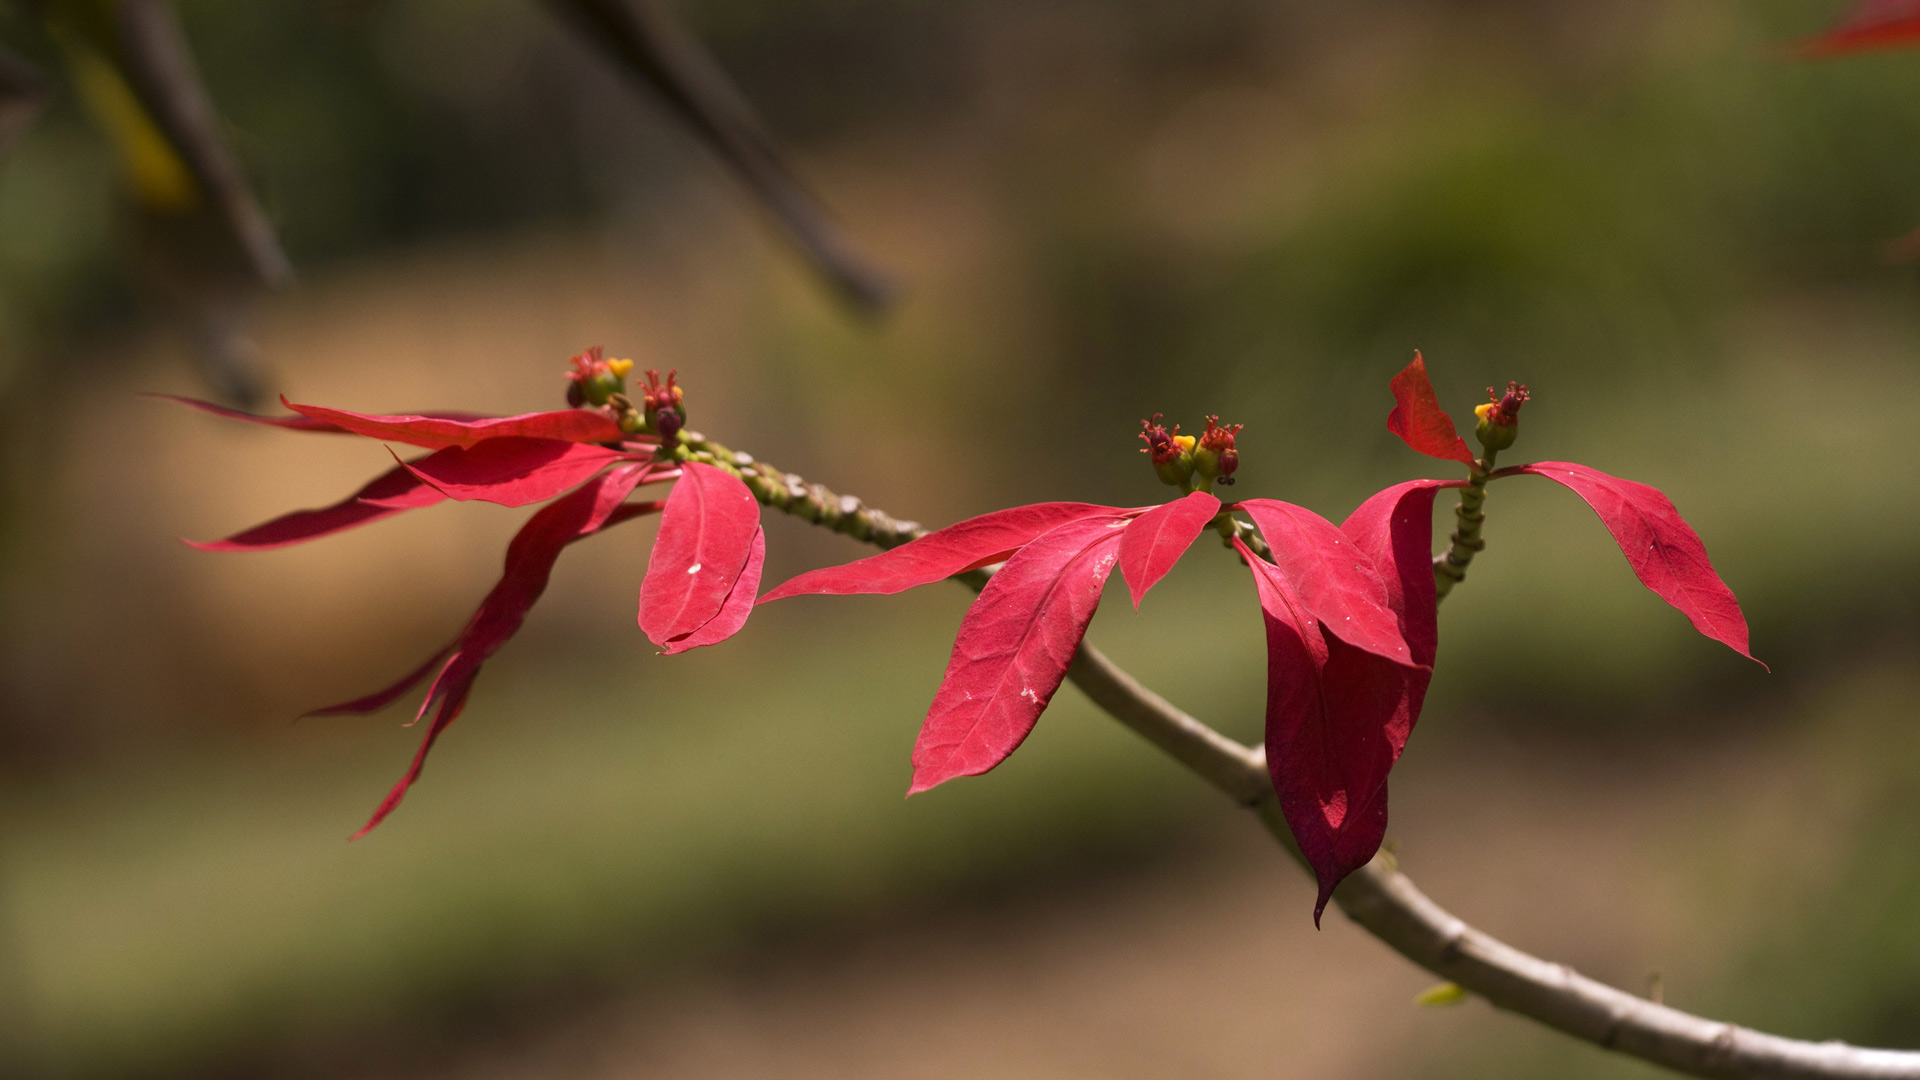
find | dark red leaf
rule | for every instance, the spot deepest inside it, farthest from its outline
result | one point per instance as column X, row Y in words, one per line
column 569, row 425
column 1013, row 649
column 1664, row 551
column 973, row 543
column 514, row 470
column 396, row 490
column 1874, row 24
column 295, row 422
column 1418, row 418
column 738, row 605
column 1336, row 581
column 1395, row 529
column 1337, row 719
column 1156, row 540
column 706, row 537
column 529, row 564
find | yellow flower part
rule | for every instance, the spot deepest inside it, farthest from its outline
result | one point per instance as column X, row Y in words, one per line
column 620, row 367
column 1186, row 442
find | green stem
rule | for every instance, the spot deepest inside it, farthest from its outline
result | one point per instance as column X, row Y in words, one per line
column 1450, row 567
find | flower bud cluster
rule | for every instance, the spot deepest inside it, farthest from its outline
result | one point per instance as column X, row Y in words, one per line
column 595, row 380
column 1500, row 417
column 1186, row 462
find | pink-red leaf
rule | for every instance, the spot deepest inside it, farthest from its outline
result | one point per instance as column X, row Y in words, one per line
column 1013, row 649
column 1664, row 551
column 1874, row 24
column 569, row 425
column 390, row 493
column 1156, row 540
column 529, row 564
column 295, row 422
column 1395, row 529
column 1418, row 418
column 1336, row 581
column 1337, row 719
column 706, row 537
column 975, row 542
column 735, row 609
column 513, row 470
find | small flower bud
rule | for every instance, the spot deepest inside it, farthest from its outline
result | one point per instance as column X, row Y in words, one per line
column 1215, row 458
column 594, row 379
column 1500, row 417
column 1170, row 451
column 661, row 398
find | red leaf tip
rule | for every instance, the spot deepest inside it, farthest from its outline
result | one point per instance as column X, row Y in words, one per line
column 1418, row 418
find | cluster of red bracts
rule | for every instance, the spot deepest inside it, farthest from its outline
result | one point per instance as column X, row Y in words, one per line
column 1350, row 610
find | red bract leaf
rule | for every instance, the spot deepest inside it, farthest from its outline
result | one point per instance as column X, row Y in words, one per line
column 1395, row 529
column 1418, row 418
column 396, row 490
column 1156, row 540
column 737, row 606
column 1013, row 649
column 569, row 425
column 706, row 537
column 1664, row 551
column 969, row 545
column 1336, row 581
column 296, row 422
column 1337, row 719
column 529, row 564
column 1875, row 24
column 514, row 470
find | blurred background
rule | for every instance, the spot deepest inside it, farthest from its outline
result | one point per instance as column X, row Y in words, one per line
column 625, row 865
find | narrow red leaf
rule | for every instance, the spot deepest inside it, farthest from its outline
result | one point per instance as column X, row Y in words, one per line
column 1395, row 529
column 529, row 564
column 1664, row 551
column 1013, row 649
column 737, row 606
column 395, row 490
column 434, row 433
column 1418, row 418
column 1336, row 581
column 968, row 545
column 1337, row 719
column 1156, row 540
column 706, row 537
column 513, row 470
column 1873, row 24
column 295, row 422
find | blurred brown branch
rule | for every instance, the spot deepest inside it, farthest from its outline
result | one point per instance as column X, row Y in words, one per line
column 22, row 95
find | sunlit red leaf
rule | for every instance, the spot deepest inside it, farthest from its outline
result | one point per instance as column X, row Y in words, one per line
column 1156, row 540
column 1664, row 551
column 295, row 422
column 1874, row 24
column 1013, row 649
column 1418, row 418
column 529, row 564
column 1335, row 581
column 396, row 490
column 434, row 433
column 973, row 543
column 513, row 470
column 1395, row 529
column 737, row 606
column 706, row 536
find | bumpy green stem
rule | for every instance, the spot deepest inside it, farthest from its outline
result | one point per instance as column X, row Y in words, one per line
column 790, row 494
column 1450, row 567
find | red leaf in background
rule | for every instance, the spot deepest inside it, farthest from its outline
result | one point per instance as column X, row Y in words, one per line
column 570, row 425
column 1418, row 418
column 529, row 564
column 396, row 489
column 706, row 537
column 1875, row 24
column 1156, row 540
column 1664, row 551
column 1334, row 580
column 296, row 422
column 1395, row 529
column 1013, row 649
column 513, row 470
column 1337, row 719
column 737, row 606
column 969, row 545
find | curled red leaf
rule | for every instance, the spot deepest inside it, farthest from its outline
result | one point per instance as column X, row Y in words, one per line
column 706, row 536
column 436, row 433
column 390, row 493
column 735, row 608
column 1013, row 649
column 295, row 422
column 1873, row 24
column 1334, row 579
column 1663, row 550
column 1395, row 529
column 1418, row 418
column 512, row 470
column 968, row 545
column 1156, row 540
